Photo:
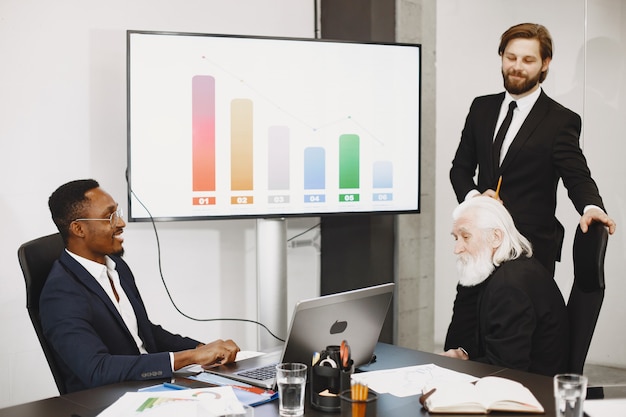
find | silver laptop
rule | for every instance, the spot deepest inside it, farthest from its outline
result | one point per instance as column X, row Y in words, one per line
column 355, row 316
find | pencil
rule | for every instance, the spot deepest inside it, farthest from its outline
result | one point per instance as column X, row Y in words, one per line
column 497, row 196
column 359, row 394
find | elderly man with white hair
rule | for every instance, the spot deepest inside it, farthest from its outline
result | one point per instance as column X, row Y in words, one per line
column 520, row 318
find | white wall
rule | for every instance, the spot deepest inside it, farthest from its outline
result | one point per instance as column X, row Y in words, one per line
column 63, row 117
column 586, row 75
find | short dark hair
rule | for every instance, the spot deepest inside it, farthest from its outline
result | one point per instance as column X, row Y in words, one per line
column 529, row 31
column 67, row 203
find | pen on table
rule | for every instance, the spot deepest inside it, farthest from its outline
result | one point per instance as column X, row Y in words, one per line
column 255, row 390
column 171, row 385
column 425, row 396
column 497, row 196
column 249, row 388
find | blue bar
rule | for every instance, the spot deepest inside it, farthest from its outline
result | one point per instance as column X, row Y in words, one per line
column 314, row 169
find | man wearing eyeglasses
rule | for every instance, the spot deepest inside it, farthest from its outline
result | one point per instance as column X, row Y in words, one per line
column 91, row 311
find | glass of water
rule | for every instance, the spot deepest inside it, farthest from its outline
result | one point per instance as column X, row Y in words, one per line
column 291, row 381
column 570, row 391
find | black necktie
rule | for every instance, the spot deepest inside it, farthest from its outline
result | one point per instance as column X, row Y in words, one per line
column 497, row 143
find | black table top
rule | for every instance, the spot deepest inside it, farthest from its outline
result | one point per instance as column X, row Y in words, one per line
column 90, row 403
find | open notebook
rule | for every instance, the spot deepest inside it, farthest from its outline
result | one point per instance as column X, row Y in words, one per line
column 356, row 316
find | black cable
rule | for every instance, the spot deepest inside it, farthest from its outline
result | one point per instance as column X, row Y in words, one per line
column 306, row 231
column 156, row 234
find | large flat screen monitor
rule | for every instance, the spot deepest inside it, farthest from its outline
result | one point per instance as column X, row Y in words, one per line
column 224, row 126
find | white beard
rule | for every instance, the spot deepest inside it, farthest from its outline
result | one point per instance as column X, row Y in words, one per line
column 474, row 270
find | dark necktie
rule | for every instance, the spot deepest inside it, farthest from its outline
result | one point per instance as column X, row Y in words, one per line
column 497, row 143
column 117, row 297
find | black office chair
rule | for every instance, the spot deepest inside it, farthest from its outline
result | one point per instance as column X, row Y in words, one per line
column 585, row 300
column 36, row 258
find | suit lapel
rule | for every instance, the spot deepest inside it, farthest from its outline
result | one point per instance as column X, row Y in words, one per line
column 89, row 282
column 491, row 120
column 143, row 326
column 536, row 115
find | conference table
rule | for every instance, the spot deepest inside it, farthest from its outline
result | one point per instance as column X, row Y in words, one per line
column 89, row 403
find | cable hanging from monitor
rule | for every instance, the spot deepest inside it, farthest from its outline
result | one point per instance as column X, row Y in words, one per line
column 156, row 234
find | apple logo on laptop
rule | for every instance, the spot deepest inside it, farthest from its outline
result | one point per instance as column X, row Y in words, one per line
column 338, row 327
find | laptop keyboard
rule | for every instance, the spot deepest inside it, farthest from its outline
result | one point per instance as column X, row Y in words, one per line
column 260, row 374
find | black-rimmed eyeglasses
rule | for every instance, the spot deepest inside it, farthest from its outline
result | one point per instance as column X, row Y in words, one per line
column 113, row 218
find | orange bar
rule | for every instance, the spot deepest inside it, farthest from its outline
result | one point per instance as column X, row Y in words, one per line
column 241, row 162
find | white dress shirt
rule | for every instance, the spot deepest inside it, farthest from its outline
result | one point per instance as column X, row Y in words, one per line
column 124, row 307
column 524, row 106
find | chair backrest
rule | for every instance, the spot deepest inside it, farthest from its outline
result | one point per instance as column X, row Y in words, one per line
column 585, row 300
column 36, row 258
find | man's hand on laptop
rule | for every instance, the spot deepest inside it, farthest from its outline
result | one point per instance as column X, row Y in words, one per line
column 216, row 352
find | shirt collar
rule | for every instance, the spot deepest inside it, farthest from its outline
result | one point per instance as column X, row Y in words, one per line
column 525, row 102
column 94, row 268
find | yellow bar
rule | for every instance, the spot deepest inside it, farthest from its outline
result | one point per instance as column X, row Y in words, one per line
column 241, row 162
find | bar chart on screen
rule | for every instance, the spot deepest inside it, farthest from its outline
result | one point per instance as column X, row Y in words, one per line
column 286, row 127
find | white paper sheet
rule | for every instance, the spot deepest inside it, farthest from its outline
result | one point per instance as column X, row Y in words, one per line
column 606, row 408
column 203, row 402
column 403, row 382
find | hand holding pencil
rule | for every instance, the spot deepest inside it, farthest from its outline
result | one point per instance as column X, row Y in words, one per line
column 493, row 194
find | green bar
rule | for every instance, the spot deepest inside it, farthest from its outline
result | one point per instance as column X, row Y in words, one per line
column 349, row 161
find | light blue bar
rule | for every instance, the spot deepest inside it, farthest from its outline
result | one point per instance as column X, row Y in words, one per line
column 314, row 168
column 382, row 174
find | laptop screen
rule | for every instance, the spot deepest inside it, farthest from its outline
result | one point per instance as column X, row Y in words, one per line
column 355, row 316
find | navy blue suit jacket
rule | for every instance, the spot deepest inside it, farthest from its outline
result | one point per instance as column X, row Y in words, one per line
column 92, row 344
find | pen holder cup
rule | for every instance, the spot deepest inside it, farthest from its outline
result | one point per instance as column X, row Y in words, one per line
column 354, row 408
column 326, row 383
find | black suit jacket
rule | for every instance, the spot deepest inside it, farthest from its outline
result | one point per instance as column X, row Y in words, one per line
column 522, row 319
column 545, row 150
column 92, row 344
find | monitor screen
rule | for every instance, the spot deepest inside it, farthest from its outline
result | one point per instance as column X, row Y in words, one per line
column 223, row 126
